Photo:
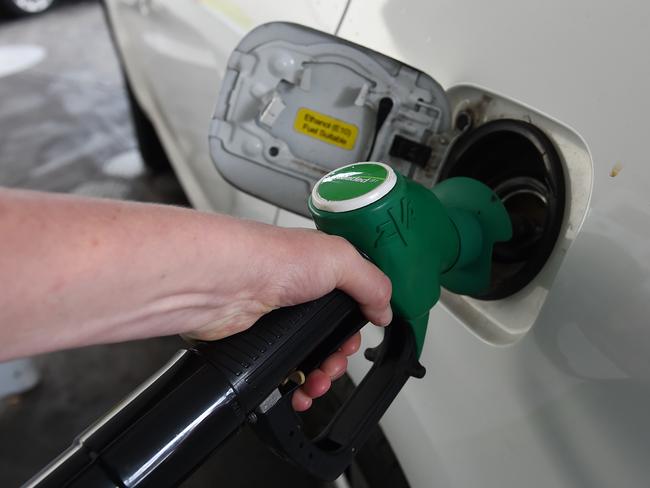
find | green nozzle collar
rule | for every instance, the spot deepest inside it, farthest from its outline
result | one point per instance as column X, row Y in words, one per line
column 353, row 186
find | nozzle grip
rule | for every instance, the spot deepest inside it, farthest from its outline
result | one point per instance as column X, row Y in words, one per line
column 176, row 419
column 256, row 361
column 183, row 413
column 331, row 452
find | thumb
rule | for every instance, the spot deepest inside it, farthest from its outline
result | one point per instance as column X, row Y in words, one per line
column 366, row 283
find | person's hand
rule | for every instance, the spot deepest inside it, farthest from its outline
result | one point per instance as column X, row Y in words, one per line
column 271, row 267
column 87, row 271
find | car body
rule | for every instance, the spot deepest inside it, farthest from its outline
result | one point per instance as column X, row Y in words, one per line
column 547, row 387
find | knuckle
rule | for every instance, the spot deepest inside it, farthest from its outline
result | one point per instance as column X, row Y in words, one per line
column 342, row 255
column 384, row 291
column 341, row 244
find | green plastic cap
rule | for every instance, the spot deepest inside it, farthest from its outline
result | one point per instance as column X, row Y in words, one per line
column 353, row 186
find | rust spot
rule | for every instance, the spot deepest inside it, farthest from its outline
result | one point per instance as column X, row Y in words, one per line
column 616, row 169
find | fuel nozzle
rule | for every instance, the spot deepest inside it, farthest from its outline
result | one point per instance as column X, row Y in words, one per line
column 422, row 239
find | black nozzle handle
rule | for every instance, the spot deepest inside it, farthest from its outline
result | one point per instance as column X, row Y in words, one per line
column 258, row 360
column 331, row 452
column 156, row 437
column 176, row 419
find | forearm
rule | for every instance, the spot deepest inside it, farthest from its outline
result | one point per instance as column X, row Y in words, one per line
column 78, row 271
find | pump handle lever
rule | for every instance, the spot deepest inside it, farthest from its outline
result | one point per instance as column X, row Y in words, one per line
column 300, row 338
column 328, row 454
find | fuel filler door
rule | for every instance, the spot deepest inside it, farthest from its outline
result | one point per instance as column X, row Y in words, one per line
column 296, row 103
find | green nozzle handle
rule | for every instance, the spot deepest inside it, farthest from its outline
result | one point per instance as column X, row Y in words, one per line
column 422, row 239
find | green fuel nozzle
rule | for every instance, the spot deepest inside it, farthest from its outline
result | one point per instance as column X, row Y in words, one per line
column 422, row 239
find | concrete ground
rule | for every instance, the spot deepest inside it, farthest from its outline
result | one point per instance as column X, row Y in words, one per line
column 64, row 127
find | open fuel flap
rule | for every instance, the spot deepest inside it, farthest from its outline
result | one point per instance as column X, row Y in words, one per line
column 296, row 103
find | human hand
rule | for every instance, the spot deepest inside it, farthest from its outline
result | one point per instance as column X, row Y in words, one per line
column 119, row 271
column 277, row 267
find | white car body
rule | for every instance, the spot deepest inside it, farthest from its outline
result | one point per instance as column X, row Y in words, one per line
column 565, row 404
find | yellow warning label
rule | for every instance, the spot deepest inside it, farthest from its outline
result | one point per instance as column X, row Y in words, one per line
column 326, row 128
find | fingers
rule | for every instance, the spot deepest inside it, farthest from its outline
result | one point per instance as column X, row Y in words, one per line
column 364, row 282
column 315, row 386
column 300, row 401
column 352, row 345
column 318, row 382
column 334, row 366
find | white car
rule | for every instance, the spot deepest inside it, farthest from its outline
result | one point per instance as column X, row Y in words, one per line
column 544, row 381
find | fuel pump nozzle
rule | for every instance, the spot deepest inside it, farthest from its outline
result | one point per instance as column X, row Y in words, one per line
column 421, row 239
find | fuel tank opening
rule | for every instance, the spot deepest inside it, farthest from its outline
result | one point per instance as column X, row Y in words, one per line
column 519, row 162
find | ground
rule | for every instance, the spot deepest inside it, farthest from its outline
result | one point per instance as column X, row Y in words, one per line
column 64, row 127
